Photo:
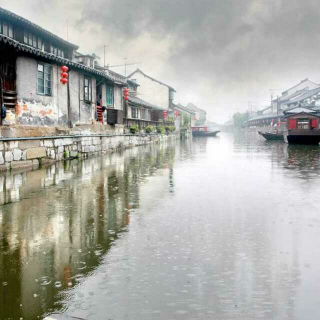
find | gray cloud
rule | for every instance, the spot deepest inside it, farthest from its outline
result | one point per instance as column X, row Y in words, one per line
column 237, row 48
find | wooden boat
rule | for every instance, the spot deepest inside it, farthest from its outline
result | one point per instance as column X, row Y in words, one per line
column 272, row 136
column 212, row 133
column 302, row 126
column 203, row 132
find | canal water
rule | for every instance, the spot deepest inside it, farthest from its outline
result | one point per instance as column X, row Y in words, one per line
column 214, row 228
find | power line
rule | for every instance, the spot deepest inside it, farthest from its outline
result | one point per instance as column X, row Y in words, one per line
column 121, row 65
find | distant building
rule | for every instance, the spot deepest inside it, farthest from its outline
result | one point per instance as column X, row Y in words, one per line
column 305, row 93
column 200, row 114
column 293, row 93
column 153, row 91
column 140, row 112
column 186, row 116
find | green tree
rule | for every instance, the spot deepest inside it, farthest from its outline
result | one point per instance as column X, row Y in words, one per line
column 239, row 119
column 186, row 120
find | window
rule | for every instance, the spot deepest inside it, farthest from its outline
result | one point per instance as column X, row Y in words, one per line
column 134, row 112
column 303, row 124
column 145, row 114
column 30, row 39
column 6, row 29
column 33, row 41
column 44, row 83
column 87, row 89
column 110, row 95
column 56, row 51
column 40, row 44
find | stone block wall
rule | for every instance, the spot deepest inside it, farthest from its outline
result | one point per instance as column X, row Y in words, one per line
column 16, row 154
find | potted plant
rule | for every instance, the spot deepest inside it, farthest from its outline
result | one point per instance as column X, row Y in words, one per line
column 160, row 129
column 133, row 129
column 149, row 129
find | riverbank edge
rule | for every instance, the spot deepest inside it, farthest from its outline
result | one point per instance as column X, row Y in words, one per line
column 25, row 152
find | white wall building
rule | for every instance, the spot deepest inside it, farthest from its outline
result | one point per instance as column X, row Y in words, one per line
column 152, row 90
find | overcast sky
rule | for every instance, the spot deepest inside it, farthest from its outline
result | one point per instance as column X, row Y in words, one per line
column 218, row 54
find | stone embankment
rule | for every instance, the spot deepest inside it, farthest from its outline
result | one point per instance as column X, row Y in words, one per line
column 24, row 147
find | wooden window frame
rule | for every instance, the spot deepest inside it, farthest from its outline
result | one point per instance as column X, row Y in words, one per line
column 87, row 96
column 9, row 28
column 135, row 114
column 45, row 81
column 110, row 101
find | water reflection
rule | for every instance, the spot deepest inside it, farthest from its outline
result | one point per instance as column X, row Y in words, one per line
column 304, row 159
column 57, row 223
column 209, row 229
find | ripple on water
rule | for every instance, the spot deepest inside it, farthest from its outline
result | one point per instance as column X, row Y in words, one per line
column 45, row 281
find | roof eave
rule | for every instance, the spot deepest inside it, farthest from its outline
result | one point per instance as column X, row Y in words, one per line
column 49, row 56
column 18, row 18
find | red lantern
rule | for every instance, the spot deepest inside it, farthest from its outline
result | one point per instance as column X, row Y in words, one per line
column 165, row 113
column 64, row 69
column 126, row 94
column 64, row 74
column 177, row 113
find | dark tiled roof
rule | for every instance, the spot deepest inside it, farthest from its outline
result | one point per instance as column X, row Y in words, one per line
column 20, row 47
column 195, row 108
column 117, row 76
column 138, row 70
column 286, row 99
column 302, row 81
column 140, row 102
column 183, row 108
column 297, row 110
column 14, row 16
column 266, row 116
column 306, row 95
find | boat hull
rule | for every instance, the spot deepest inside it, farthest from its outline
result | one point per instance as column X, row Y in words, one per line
column 313, row 140
column 272, row 136
column 204, row 133
column 311, row 137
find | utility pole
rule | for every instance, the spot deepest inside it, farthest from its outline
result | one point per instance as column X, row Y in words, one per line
column 272, row 92
column 250, row 108
column 125, row 67
column 104, row 57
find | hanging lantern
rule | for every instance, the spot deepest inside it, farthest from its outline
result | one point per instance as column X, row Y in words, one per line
column 126, row 94
column 64, row 75
column 165, row 113
column 64, row 69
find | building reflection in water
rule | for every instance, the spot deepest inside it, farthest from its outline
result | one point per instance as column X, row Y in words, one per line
column 57, row 223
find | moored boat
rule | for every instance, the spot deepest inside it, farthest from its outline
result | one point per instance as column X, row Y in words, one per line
column 302, row 126
column 272, row 136
column 203, row 132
